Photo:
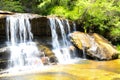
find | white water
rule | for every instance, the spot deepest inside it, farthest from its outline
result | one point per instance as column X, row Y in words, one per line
column 24, row 52
column 68, row 26
column 74, row 26
column 61, row 47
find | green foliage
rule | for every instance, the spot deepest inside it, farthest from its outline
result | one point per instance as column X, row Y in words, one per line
column 91, row 14
column 11, row 5
column 56, row 7
column 115, row 31
column 95, row 14
column 45, row 6
column 118, row 47
column 58, row 10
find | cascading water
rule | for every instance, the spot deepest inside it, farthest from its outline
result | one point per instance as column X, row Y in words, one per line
column 24, row 52
column 74, row 26
column 68, row 26
column 61, row 48
column 24, row 55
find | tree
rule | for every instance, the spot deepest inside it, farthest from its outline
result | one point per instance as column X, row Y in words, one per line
column 30, row 6
column 11, row 5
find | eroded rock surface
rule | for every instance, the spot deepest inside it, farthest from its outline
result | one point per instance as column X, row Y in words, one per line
column 94, row 45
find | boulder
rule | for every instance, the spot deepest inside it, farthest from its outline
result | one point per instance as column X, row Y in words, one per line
column 94, row 46
column 47, row 53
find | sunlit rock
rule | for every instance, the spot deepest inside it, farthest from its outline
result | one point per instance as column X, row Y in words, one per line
column 94, row 46
column 105, row 48
column 48, row 55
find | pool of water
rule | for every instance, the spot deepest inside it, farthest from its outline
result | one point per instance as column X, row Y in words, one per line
column 82, row 70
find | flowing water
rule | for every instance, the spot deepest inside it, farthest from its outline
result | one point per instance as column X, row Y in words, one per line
column 24, row 52
column 61, row 47
column 74, row 26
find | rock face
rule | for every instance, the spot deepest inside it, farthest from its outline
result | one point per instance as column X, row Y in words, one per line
column 3, row 15
column 94, row 45
column 4, row 57
column 2, row 28
column 39, row 25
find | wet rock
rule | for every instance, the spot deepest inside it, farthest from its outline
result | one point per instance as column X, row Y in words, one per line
column 3, row 15
column 2, row 27
column 40, row 27
column 47, row 56
column 94, row 46
column 4, row 53
column 4, row 57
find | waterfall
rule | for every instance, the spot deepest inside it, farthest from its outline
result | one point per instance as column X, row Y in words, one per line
column 18, row 29
column 61, row 45
column 68, row 26
column 24, row 52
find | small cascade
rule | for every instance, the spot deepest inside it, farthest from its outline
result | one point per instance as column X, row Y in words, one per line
column 24, row 52
column 18, row 29
column 84, row 53
column 68, row 26
column 74, row 26
column 61, row 45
